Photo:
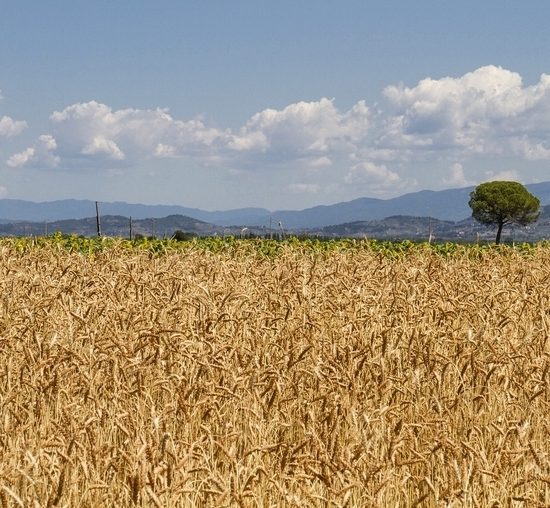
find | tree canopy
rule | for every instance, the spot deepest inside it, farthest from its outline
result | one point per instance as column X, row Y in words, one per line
column 500, row 203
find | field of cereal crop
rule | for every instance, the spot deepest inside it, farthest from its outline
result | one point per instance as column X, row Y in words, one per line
column 296, row 376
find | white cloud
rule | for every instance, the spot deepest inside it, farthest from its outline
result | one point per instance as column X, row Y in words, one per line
column 320, row 162
column 20, row 159
column 10, row 128
column 372, row 174
column 3, row 192
column 304, row 188
column 456, row 177
column 256, row 141
column 94, row 133
column 302, row 129
column 487, row 111
column 103, row 147
column 165, row 151
column 94, row 129
column 41, row 154
column 529, row 149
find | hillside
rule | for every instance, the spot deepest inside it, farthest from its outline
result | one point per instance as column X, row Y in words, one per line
column 420, row 228
column 446, row 205
column 394, row 227
column 114, row 225
column 449, row 205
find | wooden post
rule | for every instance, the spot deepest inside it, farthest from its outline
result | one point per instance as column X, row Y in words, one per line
column 98, row 221
column 130, row 228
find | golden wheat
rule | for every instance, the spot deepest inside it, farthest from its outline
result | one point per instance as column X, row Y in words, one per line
column 307, row 379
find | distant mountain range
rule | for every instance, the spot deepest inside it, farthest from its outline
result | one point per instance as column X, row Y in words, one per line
column 445, row 205
column 390, row 228
column 421, row 228
column 117, row 225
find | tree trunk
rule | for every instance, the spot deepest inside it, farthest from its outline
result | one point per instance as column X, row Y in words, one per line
column 98, row 220
column 499, row 232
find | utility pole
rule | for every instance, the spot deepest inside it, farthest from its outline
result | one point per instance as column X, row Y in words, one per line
column 130, row 228
column 282, row 230
column 98, row 221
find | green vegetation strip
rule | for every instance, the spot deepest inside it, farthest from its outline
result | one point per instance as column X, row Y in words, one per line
column 267, row 248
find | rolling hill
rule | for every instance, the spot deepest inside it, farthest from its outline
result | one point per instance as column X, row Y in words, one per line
column 445, row 205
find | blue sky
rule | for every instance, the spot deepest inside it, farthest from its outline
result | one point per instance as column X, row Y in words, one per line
column 287, row 104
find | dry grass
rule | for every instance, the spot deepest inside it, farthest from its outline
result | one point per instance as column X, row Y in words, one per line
column 339, row 379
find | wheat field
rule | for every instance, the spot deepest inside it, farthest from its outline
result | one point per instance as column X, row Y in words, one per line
column 341, row 378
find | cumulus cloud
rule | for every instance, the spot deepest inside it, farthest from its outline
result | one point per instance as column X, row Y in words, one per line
column 10, row 128
column 95, row 132
column 456, row 177
column 163, row 151
column 487, row 111
column 529, row 149
column 302, row 129
column 320, row 162
column 20, row 159
column 371, row 174
column 42, row 153
column 103, row 147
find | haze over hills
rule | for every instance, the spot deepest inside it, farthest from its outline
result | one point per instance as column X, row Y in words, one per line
column 445, row 205
column 422, row 228
column 116, row 225
column 390, row 228
column 12, row 210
